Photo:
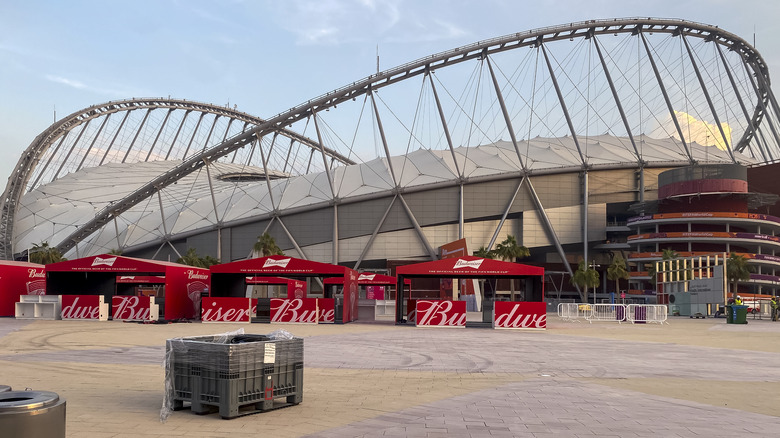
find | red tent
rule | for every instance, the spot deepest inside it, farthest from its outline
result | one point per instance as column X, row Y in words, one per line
column 229, row 279
column 470, row 267
column 97, row 275
column 371, row 279
column 16, row 279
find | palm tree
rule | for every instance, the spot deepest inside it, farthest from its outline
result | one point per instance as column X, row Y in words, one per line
column 585, row 277
column 617, row 271
column 115, row 252
column 44, row 254
column 652, row 271
column 266, row 246
column 737, row 270
column 191, row 258
column 509, row 250
column 484, row 253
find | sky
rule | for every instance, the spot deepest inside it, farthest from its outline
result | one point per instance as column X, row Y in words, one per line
column 264, row 57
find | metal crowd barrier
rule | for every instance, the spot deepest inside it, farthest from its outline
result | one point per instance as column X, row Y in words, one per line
column 633, row 313
column 646, row 313
column 607, row 312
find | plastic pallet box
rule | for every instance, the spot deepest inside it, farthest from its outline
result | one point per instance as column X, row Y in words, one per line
column 234, row 372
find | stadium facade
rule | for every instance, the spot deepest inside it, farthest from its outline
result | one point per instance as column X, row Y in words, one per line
column 509, row 150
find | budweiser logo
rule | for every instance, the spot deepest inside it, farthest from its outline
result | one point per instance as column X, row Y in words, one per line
column 466, row 264
column 35, row 273
column 213, row 312
column 270, row 263
column 368, row 277
column 294, row 311
column 441, row 313
column 76, row 311
column 131, row 308
column 107, row 261
column 195, row 275
column 516, row 318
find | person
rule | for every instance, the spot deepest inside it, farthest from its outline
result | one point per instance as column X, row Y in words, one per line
column 738, row 301
column 774, row 308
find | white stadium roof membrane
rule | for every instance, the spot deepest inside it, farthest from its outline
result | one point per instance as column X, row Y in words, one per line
column 53, row 210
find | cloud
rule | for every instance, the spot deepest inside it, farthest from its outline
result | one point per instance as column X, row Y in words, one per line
column 333, row 22
column 695, row 130
column 97, row 90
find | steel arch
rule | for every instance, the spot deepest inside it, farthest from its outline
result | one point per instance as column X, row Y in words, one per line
column 32, row 156
column 586, row 29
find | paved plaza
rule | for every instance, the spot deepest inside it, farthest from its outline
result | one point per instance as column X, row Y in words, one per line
column 690, row 378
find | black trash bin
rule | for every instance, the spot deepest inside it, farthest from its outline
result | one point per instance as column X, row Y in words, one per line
column 32, row 414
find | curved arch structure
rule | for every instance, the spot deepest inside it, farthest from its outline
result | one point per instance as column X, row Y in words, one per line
column 593, row 98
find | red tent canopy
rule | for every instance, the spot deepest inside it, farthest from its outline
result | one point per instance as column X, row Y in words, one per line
column 370, row 279
column 279, row 266
column 113, row 263
column 468, row 267
column 267, row 280
column 16, row 279
column 97, row 275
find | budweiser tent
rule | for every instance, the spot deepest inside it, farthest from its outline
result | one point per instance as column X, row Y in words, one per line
column 370, row 279
column 16, row 279
column 230, row 279
column 470, row 267
column 98, row 275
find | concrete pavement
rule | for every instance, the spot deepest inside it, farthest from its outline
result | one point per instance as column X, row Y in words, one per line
column 686, row 379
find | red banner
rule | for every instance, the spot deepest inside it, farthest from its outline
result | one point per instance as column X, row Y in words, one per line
column 226, row 309
column 519, row 315
column 375, row 292
column 295, row 311
column 83, row 307
column 441, row 313
column 327, row 309
column 133, row 308
column 296, row 289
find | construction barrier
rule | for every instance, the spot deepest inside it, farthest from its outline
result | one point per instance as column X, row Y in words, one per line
column 573, row 312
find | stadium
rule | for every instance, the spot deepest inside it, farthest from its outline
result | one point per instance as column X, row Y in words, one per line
column 563, row 137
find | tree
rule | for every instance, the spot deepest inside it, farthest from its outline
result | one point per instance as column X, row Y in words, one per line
column 737, row 270
column 191, row 258
column 585, row 277
column 509, row 250
column 115, row 252
column 484, row 253
column 652, row 271
column 266, row 246
column 617, row 271
column 44, row 254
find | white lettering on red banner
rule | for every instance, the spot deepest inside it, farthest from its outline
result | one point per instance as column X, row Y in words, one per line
column 195, row 275
column 89, row 308
column 368, row 277
column 466, row 264
column 327, row 310
column 225, row 309
column 270, row 263
column 522, row 315
column 299, row 310
column 131, row 308
column 441, row 313
column 35, row 273
column 107, row 261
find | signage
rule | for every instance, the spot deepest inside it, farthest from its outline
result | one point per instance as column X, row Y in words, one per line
column 226, row 309
column 375, row 292
column 519, row 315
column 327, row 310
column 133, row 308
column 295, row 311
column 440, row 313
column 411, row 310
column 296, row 289
column 82, row 307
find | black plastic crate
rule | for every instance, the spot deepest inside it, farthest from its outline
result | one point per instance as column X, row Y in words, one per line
column 238, row 374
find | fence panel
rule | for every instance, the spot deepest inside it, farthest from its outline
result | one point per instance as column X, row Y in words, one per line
column 607, row 312
column 647, row 313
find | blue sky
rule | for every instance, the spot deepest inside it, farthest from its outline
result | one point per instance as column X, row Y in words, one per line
column 267, row 56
